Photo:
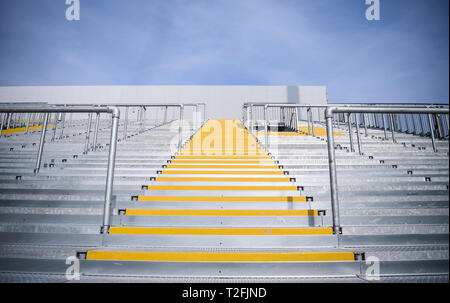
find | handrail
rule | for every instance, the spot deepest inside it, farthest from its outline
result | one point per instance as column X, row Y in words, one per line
column 348, row 109
column 251, row 113
column 164, row 105
column 330, row 144
column 114, row 111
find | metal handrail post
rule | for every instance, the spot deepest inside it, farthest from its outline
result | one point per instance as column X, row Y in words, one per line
column 266, row 128
column 165, row 114
column 110, row 173
column 9, row 120
column 88, row 134
column 55, row 127
column 37, row 167
column 308, row 118
column 61, row 135
column 384, row 126
column 251, row 118
column 357, row 134
column 97, row 125
column 432, row 132
column 350, row 132
column 28, row 124
column 365, row 125
column 391, row 120
column 337, row 230
column 312, row 123
column 125, row 125
column 180, row 128
column 439, row 126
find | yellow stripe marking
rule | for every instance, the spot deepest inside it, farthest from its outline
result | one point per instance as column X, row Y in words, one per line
column 220, row 172
column 251, row 231
column 223, row 187
column 217, row 179
column 220, row 256
column 22, row 129
column 262, row 161
column 221, row 212
column 225, row 166
column 222, row 157
column 219, row 199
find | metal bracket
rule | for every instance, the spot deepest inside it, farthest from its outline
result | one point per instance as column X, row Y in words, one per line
column 144, row 187
column 409, row 172
column 427, row 179
column 309, row 199
column 81, row 255
column 122, row 212
column 339, row 233
column 18, row 177
column 293, row 180
column 360, row 256
column 134, row 198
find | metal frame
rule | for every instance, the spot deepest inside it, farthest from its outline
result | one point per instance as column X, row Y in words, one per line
column 350, row 110
column 115, row 113
column 330, row 111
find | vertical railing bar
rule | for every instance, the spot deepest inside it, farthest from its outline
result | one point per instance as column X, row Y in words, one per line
column 97, row 125
column 88, row 134
column 37, row 166
column 432, row 132
column 358, row 134
column 350, row 135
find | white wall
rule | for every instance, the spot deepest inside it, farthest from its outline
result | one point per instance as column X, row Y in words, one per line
column 222, row 101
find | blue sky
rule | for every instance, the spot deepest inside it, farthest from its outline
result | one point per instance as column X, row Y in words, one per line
column 403, row 57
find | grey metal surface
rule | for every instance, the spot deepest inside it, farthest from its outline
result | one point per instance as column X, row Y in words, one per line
column 398, row 214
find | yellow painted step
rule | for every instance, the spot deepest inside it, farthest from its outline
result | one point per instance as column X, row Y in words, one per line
column 220, row 161
column 218, row 157
column 220, row 256
column 219, row 153
column 224, row 166
column 219, row 199
column 222, row 212
column 218, row 179
column 22, row 129
column 221, row 187
column 250, row 231
column 221, row 172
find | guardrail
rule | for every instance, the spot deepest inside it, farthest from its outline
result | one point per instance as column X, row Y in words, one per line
column 363, row 110
column 437, row 117
column 143, row 107
column 40, row 113
column 46, row 110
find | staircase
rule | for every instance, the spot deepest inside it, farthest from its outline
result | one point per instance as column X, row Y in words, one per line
column 224, row 209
